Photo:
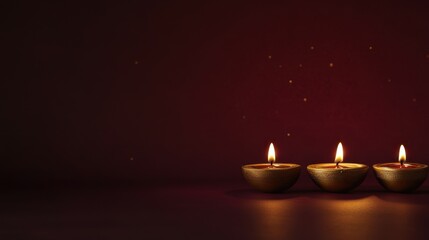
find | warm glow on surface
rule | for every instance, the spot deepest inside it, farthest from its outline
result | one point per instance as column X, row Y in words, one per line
column 402, row 155
column 339, row 155
column 271, row 154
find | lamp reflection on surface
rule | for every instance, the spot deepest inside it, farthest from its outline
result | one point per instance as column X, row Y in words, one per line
column 348, row 219
column 367, row 218
column 214, row 212
column 273, row 219
column 332, row 217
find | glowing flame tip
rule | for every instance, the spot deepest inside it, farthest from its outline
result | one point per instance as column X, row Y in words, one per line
column 271, row 154
column 402, row 154
column 340, row 154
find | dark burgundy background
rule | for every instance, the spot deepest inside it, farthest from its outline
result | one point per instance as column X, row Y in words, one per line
column 132, row 120
column 190, row 91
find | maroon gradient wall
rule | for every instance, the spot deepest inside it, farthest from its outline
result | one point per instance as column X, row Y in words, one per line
column 192, row 90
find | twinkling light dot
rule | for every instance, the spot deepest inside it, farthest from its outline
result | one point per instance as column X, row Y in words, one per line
column 305, row 99
column 414, row 99
column 370, row 48
column 331, row 64
column 136, row 62
column 427, row 55
column 288, row 134
column 389, row 80
column 244, row 117
column 132, row 158
column 300, row 65
column 269, row 57
column 290, row 81
column 311, row 47
column 280, row 66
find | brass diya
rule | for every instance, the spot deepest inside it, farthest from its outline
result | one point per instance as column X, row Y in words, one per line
column 406, row 179
column 332, row 179
column 401, row 176
column 270, row 177
column 336, row 177
column 275, row 178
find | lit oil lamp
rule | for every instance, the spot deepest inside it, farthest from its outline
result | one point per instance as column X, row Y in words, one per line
column 337, row 176
column 401, row 176
column 271, row 177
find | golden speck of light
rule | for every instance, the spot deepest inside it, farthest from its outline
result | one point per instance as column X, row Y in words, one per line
column 136, row 62
column 331, row 64
column 288, row 134
column 389, row 80
column 300, row 65
column 370, row 47
column 269, row 57
column 290, row 81
column 280, row 66
column 131, row 158
column 414, row 99
column 311, row 47
column 243, row 117
column 304, row 99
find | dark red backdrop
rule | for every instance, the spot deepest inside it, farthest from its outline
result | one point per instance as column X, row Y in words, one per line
column 191, row 91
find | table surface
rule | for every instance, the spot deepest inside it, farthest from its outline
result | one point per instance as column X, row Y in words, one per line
column 211, row 211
